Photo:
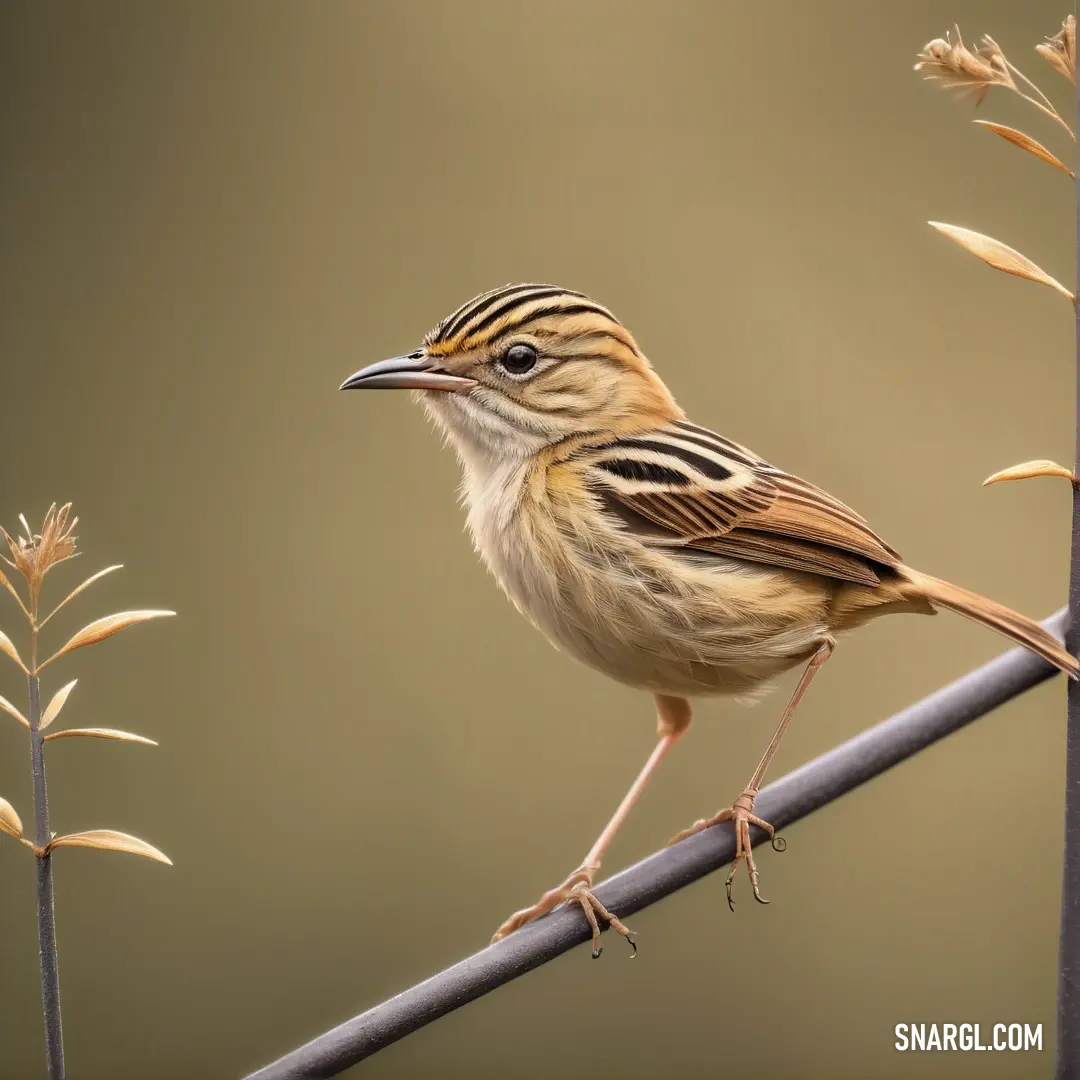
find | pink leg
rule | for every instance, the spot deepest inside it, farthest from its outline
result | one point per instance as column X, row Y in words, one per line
column 673, row 718
column 742, row 812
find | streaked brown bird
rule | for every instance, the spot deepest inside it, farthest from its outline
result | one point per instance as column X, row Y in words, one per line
column 649, row 548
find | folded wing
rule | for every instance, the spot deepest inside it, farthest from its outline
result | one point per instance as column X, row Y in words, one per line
column 683, row 485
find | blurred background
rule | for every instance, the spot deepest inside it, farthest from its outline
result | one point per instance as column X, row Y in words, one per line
column 212, row 214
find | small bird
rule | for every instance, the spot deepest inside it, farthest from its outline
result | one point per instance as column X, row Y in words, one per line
column 647, row 547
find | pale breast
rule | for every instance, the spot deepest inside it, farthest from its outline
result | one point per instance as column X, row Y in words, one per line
column 645, row 616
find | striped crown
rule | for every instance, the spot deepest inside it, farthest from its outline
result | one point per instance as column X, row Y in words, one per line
column 510, row 309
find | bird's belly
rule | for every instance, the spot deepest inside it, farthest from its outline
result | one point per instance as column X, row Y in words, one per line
column 644, row 619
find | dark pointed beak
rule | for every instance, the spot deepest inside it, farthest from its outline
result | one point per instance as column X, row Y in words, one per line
column 413, row 372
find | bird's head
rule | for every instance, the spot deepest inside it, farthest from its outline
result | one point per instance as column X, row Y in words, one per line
column 525, row 366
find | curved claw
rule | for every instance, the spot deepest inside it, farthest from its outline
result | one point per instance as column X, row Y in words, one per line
column 744, row 818
column 575, row 890
column 629, row 941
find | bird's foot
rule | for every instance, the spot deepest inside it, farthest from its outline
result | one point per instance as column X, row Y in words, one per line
column 576, row 889
column 742, row 814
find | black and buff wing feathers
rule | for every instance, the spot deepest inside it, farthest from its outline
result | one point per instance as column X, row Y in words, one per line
column 686, row 486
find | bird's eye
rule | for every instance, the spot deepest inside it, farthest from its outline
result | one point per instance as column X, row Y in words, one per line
column 519, row 359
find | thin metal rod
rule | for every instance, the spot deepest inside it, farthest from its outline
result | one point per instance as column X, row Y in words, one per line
column 788, row 800
column 1068, row 1027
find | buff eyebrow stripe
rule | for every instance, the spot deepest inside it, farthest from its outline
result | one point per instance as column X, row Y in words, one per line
column 710, row 468
column 481, row 303
column 619, row 334
column 644, row 471
column 590, row 335
column 534, row 315
column 609, row 358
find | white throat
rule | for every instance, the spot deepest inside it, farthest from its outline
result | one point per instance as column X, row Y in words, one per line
column 494, row 456
column 484, row 441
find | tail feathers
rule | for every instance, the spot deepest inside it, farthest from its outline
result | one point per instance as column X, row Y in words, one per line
column 1020, row 628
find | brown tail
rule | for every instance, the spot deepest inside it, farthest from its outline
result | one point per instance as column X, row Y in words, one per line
column 1021, row 629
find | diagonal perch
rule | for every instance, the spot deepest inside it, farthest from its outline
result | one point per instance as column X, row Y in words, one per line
column 791, row 798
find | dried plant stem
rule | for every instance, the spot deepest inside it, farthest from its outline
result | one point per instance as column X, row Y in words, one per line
column 1052, row 113
column 1044, row 104
column 1068, row 1004
column 50, row 974
column 32, row 556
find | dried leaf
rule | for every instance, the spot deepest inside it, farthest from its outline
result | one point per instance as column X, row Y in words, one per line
column 103, row 628
column 79, row 588
column 8, row 646
column 1025, row 142
column 52, row 710
column 10, row 709
column 111, row 840
column 9, row 820
column 1029, row 469
column 998, row 255
column 101, row 733
column 6, row 583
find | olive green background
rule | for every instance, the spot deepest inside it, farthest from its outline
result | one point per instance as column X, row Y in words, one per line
column 213, row 213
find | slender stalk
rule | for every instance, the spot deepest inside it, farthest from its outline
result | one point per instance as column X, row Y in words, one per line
column 1068, row 1034
column 50, row 974
column 1052, row 113
column 1046, row 105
